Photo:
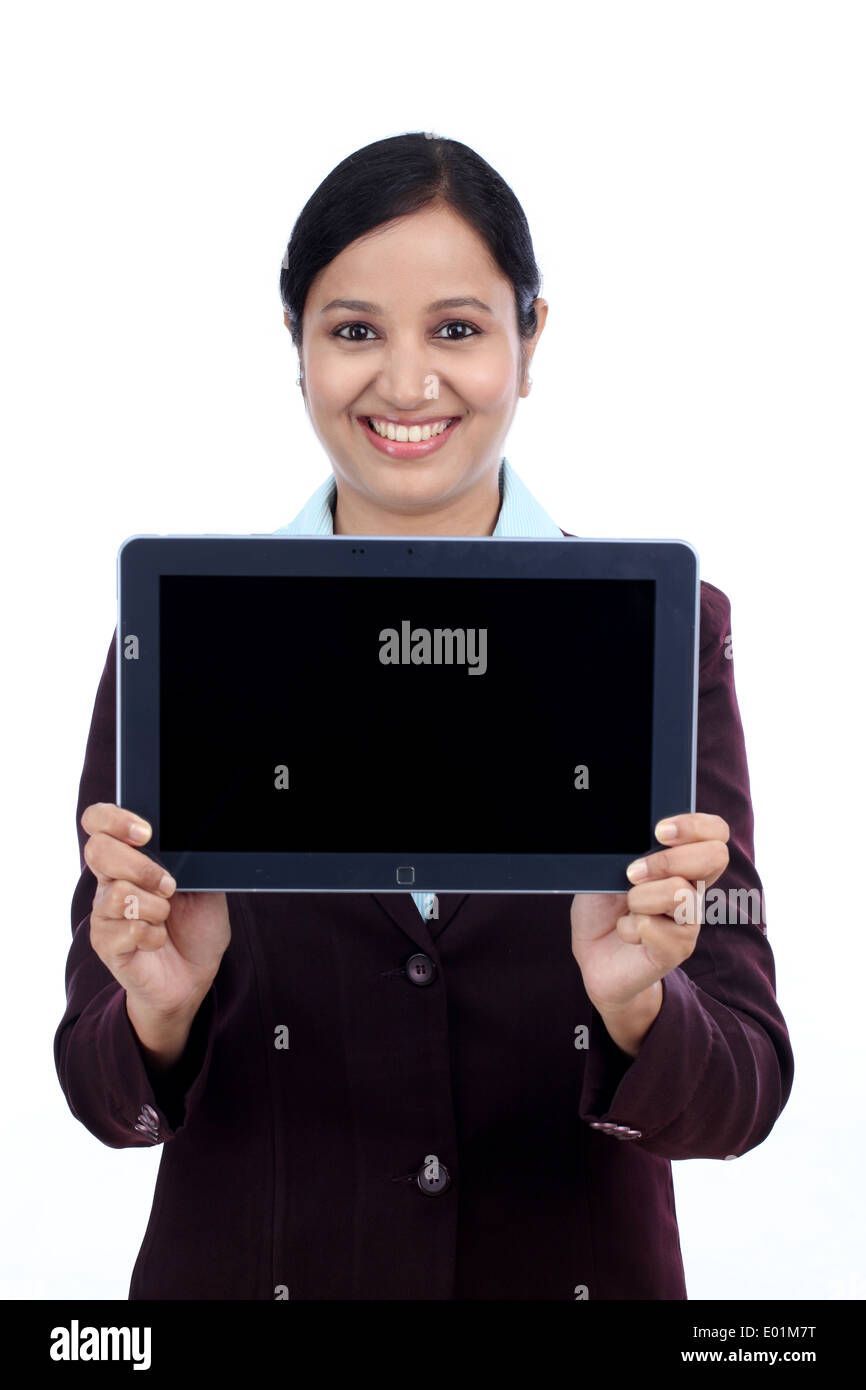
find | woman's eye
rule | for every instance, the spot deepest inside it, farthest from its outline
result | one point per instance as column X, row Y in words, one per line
column 340, row 332
column 458, row 323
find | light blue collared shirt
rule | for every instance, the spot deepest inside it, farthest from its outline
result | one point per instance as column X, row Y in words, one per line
column 519, row 515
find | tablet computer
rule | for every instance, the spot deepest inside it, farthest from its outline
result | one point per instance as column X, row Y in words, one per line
column 400, row 714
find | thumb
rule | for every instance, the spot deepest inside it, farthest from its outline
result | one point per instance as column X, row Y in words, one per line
column 595, row 914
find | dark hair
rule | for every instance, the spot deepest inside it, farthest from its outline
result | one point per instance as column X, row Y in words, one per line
column 393, row 178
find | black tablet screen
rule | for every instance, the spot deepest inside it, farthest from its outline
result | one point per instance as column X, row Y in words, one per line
column 428, row 715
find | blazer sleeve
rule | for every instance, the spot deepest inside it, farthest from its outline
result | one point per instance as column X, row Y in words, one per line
column 100, row 1065
column 716, row 1068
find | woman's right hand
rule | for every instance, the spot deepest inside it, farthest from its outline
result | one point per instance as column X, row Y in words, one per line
column 167, row 951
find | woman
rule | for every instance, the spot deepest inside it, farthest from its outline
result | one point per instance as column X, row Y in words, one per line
column 397, row 1096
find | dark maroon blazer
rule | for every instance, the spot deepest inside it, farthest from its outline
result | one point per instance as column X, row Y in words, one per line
column 294, row 1172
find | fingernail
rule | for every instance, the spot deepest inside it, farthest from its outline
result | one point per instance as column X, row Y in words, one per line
column 137, row 831
column 637, row 871
column 167, row 885
column 666, row 830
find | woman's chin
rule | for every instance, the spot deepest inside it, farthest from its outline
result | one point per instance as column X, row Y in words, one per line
column 410, row 487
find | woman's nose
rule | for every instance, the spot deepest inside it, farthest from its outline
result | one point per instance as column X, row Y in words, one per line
column 407, row 379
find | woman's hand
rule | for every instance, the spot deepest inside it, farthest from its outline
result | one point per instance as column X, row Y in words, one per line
column 164, row 947
column 625, row 944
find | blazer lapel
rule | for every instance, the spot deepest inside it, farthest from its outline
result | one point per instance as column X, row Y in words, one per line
column 449, row 905
column 402, row 910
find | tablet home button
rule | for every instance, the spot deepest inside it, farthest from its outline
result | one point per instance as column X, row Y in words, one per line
column 405, row 874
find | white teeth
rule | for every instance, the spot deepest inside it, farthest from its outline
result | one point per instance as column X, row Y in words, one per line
column 411, row 434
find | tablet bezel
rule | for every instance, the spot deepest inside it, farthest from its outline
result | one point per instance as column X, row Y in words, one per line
column 672, row 564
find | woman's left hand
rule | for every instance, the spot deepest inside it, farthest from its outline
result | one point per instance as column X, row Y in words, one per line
column 626, row 943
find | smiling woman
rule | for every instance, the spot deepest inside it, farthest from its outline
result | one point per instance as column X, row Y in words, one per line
column 422, row 241
column 423, row 1096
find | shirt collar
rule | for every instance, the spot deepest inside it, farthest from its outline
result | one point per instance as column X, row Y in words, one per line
column 519, row 513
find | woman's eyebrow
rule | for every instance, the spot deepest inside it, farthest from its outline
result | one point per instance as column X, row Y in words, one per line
column 361, row 306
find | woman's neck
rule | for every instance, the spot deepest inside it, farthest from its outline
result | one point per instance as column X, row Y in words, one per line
column 474, row 513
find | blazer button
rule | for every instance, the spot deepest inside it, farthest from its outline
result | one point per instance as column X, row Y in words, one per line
column 433, row 1177
column 421, row 969
column 148, row 1123
column 618, row 1131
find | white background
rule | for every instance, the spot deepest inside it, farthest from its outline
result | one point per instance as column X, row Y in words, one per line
column 692, row 174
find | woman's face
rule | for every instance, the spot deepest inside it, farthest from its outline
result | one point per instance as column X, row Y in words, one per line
column 396, row 353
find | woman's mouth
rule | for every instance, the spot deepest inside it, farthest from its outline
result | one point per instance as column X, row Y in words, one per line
column 405, row 445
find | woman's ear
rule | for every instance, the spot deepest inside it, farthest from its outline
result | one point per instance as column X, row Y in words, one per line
column 525, row 378
column 530, row 345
